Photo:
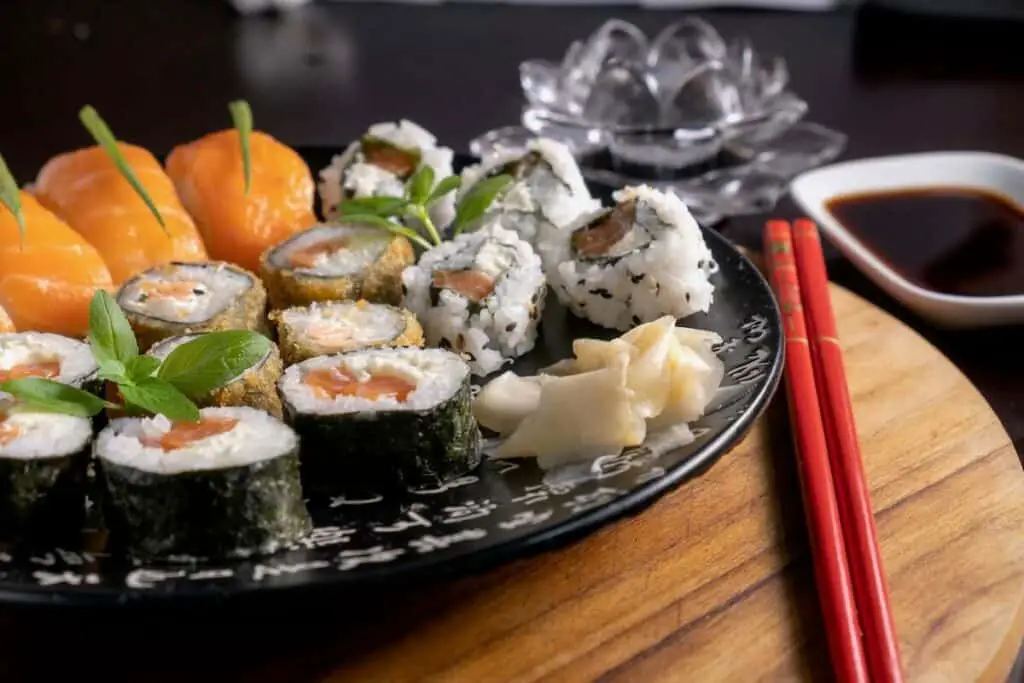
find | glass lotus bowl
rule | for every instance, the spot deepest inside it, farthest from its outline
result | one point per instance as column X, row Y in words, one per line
column 688, row 112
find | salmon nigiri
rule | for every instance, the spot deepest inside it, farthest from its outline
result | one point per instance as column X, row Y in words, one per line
column 47, row 280
column 87, row 190
column 239, row 220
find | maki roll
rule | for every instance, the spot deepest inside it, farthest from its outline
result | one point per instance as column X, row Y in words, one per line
column 633, row 263
column 48, row 356
column 43, row 461
column 336, row 262
column 226, row 486
column 340, row 326
column 381, row 162
column 481, row 294
column 256, row 387
column 182, row 298
column 547, row 188
column 382, row 419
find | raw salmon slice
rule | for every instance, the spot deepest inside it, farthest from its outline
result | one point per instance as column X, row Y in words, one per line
column 306, row 258
column 85, row 189
column 334, row 382
column 8, row 431
column 390, row 158
column 46, row 369
column 236, row 227
column 47, row 281
column 598, row 239
column 182, row 434
column 173, row 289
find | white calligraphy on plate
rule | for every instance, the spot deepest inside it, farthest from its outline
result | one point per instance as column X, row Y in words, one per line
column 262, row 571
column 755, row 329
column 447, row 486
column 427, row 544
column 534, row 493
column 323, row 537
column 650, row 475
column 585, row 501
column 350, row 559
column 752, row 367
column 471, row 509
column 506, row 466
column 147, row 578
column 338, row 501
column 527, row 518
column 65, row 578
column 726, row 345
column 411, row 520
column 211, row 574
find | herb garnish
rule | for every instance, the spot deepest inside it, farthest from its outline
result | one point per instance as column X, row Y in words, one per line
column 99, row 130
column 143, row 382
column 241, row 115
column 10, row 196
column 419, row 195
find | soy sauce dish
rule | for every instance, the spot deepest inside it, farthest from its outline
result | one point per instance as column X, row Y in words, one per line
column 942, row 232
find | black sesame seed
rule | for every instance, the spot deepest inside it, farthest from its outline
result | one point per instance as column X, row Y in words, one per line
column 582, row 281
column 143, row 298
column 636, row 320
column 700, row 264
column 444, row 344
column 510, row 327
column 583, row 304
column 602, row 292
column 687, row 297
column 198, row 292
column 460, row 341
column 635, row 279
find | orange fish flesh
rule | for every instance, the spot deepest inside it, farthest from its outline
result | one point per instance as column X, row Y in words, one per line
column 236, row 227
column 47, row 282
column 85, row 189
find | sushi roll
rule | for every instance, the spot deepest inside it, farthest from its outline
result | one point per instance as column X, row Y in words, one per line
column 336, row 262
column 381, row 162
column 182, row 298
column 340, row 326
column 547, row 187
column 226, row 486
column 632, row 263
column 43, row 461
column 255, row 388
column 48, row 356
column 481, row 294
column 382, row 419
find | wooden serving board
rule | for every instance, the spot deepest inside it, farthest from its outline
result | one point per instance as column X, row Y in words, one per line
column 712, row 583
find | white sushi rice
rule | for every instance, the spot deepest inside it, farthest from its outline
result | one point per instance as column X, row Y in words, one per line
column 355, row 322
column 23, row 348
column 552, row 194
column 257, row 437
column 500, row 327
column 349, row 172
column 363, row 246
column 215, row 289
column 663, row 266
column 437, row 375
column 43, row 435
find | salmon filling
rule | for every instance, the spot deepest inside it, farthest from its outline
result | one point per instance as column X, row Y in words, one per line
column 472, row 284
column 307, row 258
column 47, row 369
column 329, row 333
column 8, row 431
column 171, row 289
column 335, row 382
column 392, row 159
column 598, row 238
column 182, row 434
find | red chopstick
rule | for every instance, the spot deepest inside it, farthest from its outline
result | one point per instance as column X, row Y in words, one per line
column 828, row 548
column 862, row 549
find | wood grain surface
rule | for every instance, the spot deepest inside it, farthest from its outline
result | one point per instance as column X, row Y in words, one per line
column 712, row 583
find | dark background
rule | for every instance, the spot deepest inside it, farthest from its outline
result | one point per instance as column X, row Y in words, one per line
column 162, row 71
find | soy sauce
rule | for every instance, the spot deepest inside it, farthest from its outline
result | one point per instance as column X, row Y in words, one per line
column 951, row 240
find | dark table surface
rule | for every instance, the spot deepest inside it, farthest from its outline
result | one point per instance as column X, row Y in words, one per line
column 162, row 71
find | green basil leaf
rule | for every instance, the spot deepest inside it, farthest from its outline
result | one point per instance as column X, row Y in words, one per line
column 378, row 206
column 420, row 184
column 447, row 185
column 112, row 370
column 241, row 115
column 99, row 130
column 478, row 199
column 212, row 360
column 160, row 397
column 10, row 195
column 45, row 395
column 110, row 335
column 141, row 366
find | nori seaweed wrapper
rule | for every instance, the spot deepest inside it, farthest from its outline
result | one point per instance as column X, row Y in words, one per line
column 388, row 450
column 43, row 497
column 230, row 512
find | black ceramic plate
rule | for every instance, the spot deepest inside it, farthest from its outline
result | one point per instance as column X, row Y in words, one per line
column 504, row 510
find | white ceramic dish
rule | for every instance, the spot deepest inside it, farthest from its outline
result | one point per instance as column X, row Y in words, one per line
column 992, row 173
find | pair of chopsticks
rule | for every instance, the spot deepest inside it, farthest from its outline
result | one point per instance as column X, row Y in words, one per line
column 847, row 561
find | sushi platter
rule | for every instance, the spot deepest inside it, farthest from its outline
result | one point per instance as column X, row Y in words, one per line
column 254, row 368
